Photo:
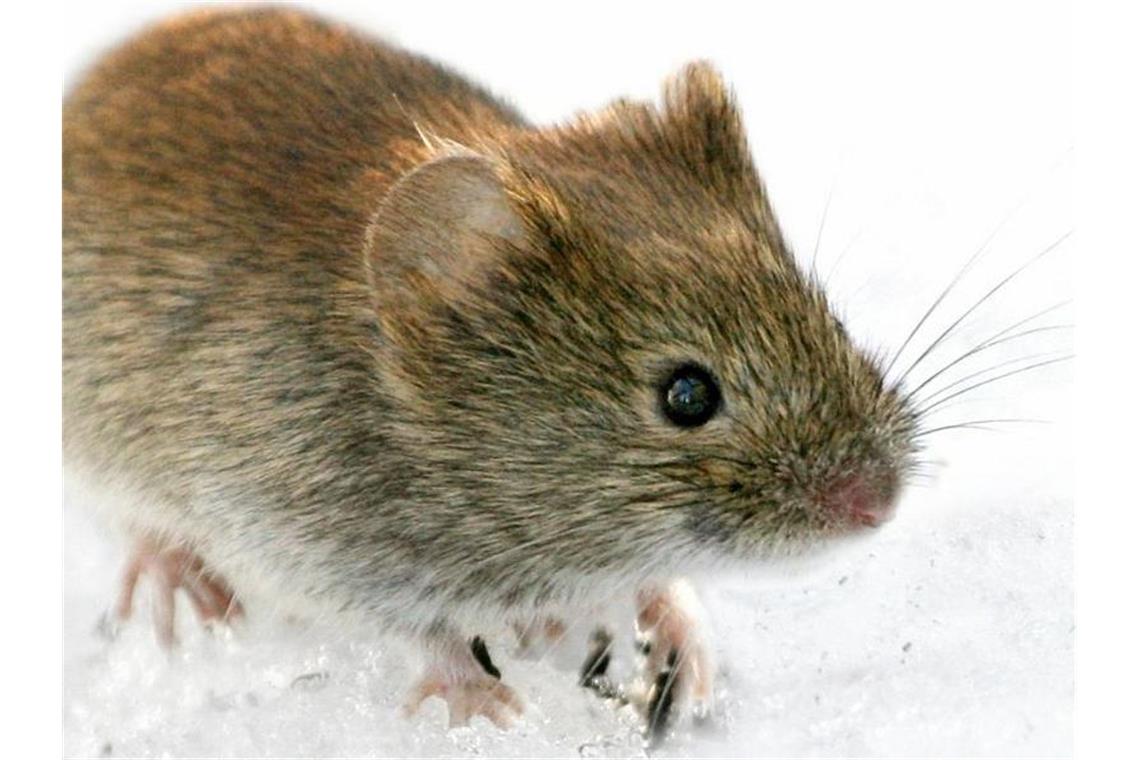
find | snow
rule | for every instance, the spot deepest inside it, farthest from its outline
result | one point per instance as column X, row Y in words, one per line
column 947, row 633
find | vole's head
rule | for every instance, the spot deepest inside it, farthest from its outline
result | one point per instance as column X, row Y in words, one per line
column 601, row 350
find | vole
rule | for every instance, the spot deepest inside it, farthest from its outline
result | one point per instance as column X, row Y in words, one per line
column 341, row 326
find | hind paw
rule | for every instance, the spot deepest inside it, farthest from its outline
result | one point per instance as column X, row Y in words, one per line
column 169, row 569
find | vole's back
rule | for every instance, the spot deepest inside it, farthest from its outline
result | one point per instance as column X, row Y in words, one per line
column 219, row 174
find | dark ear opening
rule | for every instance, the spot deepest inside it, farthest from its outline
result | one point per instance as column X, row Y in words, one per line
column 435, row 232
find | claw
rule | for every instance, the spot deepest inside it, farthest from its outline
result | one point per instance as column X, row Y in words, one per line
column 483, row 657
column 662, row 696
column 593, row 672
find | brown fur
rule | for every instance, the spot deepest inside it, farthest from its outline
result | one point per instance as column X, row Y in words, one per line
column 339, row 319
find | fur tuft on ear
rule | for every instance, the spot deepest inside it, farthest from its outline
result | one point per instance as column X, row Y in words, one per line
column 436, row 230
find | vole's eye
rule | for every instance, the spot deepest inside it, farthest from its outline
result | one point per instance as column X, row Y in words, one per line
column 690, row 397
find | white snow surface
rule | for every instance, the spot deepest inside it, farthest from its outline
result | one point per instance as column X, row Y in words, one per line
column 951, row 636
column 949, row 632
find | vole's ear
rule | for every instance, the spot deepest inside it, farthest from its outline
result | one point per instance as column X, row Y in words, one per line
column 437, row 231
column 705, row 129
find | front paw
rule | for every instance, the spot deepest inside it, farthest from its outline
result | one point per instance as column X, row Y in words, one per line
column 678, row 662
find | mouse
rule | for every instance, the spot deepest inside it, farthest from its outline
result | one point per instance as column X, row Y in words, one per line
column 344, row 329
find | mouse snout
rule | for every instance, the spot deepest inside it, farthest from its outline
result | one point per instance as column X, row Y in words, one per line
column 860, row 500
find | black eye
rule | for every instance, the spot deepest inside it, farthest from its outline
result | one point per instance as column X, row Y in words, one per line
column 690, row 397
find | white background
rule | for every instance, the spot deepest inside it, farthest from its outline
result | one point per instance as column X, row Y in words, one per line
column 927, row 128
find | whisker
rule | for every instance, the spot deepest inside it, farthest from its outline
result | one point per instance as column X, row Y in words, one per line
column 1005, row 281
column 1030, row 318
column 980, row 425
column 839, row 258
column 946, row 291
column 959, row 403
column 962, row 272
column 995, row 340
column 819, row 232
column 1011, row 373
column 980, row 372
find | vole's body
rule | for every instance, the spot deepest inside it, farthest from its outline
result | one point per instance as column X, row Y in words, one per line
column 346, row 326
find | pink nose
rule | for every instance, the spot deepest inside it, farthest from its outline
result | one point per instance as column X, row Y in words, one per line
column 858, row 501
